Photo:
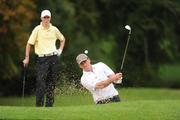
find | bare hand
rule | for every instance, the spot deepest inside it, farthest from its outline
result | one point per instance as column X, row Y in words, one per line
column 26, row 61
column 118, row 76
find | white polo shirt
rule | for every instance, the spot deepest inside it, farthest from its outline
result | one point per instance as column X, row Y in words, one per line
column 90, row 79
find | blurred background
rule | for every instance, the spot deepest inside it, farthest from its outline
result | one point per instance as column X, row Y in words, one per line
column 153, row 55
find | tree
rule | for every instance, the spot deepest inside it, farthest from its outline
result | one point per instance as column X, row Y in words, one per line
column 154, row 37
column 99, row 27
column 15, row 18
column 96, row 25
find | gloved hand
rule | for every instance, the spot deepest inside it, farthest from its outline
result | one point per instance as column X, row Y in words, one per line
column 59, row 51
column 118, row 79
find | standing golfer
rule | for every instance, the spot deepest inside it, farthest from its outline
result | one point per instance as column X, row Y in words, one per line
column 98, row 79
column 44, row 37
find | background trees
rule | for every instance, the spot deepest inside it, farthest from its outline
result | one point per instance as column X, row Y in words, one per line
column 15, row 20
column 99, row 27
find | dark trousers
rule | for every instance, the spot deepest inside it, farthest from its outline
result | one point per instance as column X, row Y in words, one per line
column 113, row 99
column 46, row 76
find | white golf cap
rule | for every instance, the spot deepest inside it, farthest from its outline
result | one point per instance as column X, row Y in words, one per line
column 81, row 57
column 45, row 13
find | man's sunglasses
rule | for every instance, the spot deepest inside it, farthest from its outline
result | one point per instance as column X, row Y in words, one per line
column 46, row 17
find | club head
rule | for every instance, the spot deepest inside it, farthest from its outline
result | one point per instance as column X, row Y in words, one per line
column 128, row 27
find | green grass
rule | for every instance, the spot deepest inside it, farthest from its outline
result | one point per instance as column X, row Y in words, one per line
column 137, row 104
column 134, row 110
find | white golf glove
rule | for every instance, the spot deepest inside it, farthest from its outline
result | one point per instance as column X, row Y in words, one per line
column 118, row 81
column 59, row 51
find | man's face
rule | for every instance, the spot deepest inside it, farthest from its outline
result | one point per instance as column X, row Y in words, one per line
column 86, row 65
column 46, row 19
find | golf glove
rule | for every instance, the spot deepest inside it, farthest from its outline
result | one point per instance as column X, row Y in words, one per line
column 59, row 51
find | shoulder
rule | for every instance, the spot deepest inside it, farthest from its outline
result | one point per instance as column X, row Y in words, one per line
column 99, row 64
column 54, row 28
column 102, row 66
column 36, row 28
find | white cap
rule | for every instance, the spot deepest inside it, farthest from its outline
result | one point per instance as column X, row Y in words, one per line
column 45, row 13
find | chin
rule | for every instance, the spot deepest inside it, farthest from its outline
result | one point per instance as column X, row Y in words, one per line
column 87, row 69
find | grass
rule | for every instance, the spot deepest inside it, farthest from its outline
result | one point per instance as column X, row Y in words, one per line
column 135, row 110
column 137, row 104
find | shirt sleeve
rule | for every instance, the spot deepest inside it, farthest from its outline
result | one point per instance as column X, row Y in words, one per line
column 33, row 36
column 59, row 35
column 88, row 84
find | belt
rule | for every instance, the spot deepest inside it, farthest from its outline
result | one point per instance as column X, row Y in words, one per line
column 46, row 55
column 108, row 100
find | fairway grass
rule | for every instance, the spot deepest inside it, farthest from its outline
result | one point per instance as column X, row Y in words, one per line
column 137, row 104
column 134, row 110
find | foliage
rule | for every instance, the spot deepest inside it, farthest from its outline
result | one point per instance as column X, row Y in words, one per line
column 169, row 75
column 15, row 18
column 99, row 27
column 153, row 24
column 13, row 31
column 153, row 40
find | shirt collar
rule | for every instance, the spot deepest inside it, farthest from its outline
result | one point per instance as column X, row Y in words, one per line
column 87, row 72
column 50, row 26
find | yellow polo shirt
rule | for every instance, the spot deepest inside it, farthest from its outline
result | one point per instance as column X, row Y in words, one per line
column 44, row 40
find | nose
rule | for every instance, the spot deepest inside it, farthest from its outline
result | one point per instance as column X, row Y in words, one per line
column 84, row 63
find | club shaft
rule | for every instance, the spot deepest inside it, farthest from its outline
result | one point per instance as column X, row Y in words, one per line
column 23, row 87
column 24, row 80
column 125, row 51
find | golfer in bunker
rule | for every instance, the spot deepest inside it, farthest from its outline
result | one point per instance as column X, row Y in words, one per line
column 98, row 79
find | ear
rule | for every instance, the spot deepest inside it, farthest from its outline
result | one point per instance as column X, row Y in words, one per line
column 81, row 66
column 89, row 60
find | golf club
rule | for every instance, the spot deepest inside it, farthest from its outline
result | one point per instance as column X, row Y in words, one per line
column 127, row 27
column 24, row 81
column 127, row 43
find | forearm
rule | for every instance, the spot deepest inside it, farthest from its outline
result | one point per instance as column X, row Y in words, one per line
column 27, row 52
column 62, row 43
column 111, row 78
column 104, row 83
column 28, row 49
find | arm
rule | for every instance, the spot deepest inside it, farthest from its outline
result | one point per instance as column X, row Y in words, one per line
column 62, row 43
column 27, row 53
column 59, row 51
column 108, row 81
column 30, row 42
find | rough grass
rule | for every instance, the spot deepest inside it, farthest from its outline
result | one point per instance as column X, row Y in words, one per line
column 137, row 104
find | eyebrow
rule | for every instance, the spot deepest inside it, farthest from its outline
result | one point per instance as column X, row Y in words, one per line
column 83, row 62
